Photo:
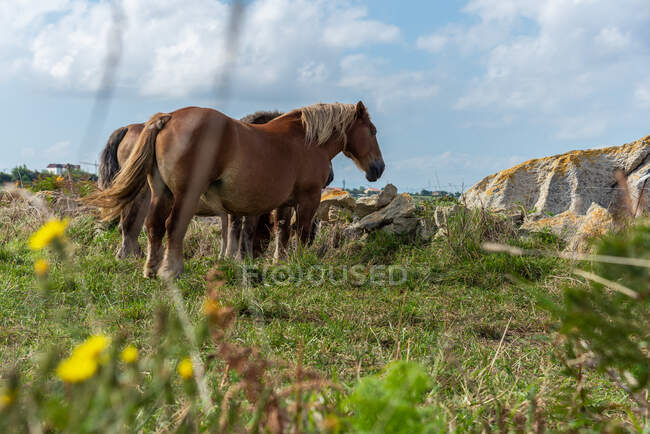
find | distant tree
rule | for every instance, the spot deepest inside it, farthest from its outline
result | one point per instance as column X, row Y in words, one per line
column 426, row 192
column 5, row 177
column 23, row 174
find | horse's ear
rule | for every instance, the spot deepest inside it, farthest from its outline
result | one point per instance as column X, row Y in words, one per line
column 361, row 110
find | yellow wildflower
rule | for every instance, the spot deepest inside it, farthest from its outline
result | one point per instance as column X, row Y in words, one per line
column 185, row 368
column 6, row 399
column 332, row 423
column 76, row 369
column 83, row 362
column 59, row 179
column 210, row 307
column 129, row 354
column 53, row 229
column 41, row 267
column 92, row 347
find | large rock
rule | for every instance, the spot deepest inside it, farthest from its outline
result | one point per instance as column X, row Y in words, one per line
column 397, row 217
column 569, row 182
column 576, row 229
column 335, row 200
column 369, row 204
column 574, row 195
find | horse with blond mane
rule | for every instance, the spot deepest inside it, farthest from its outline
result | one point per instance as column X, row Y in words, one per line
column 115, row 154
column 198, row 157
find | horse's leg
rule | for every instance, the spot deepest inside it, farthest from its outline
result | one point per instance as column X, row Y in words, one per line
column 185, row 204
column 234, row 232
column 159, row 209
column 283, row 227
column 248, row 229
column 305, row 210
column 224, row 235
column 262, row 234
column 131, row 221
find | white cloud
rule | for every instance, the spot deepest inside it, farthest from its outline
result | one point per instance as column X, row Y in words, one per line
column 553, row 59
column 175, row 48
column 352, row 28
column 611, row 38
column 642, row 94
column 432, row 43
column 361, row 72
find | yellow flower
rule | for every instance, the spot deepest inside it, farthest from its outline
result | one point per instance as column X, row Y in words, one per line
column 59, row 179
column 332, row 423
column 210, row 307
column 76, row 369
column 83, row 362
column 41, row 267
column 185, row 368
column 129, row 354
column 53, row 229
column 92, row 347
column 6, row 399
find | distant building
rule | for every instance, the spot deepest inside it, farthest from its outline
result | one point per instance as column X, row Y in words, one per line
column 60, row 169
column 372, row 190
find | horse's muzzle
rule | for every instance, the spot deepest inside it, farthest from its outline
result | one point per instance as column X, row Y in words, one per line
column 375, row 170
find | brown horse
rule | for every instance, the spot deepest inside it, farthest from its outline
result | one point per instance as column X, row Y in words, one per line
column 116, row 152
column 196, row 158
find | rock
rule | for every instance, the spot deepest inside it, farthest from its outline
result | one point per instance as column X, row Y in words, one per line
column 442, row 214
column 369, row 204
column 574, row 188
column 399, row 215
column 596, row 223
column 402, row 226
column 366, row 205
column 569, row 182
column 423, row 231
column 576, row 229
column 337, row 199
column 387, row 195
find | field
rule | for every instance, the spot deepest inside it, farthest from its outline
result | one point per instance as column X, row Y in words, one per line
column 471, row 320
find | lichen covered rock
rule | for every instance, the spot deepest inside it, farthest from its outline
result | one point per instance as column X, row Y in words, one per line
column 566, row 182
column 369, row 204
column 336, row 200
column 397, row 217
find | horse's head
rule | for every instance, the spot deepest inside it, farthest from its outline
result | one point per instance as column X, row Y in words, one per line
column 362, row 146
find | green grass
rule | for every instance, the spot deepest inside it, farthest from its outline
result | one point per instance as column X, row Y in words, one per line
column 449, row 315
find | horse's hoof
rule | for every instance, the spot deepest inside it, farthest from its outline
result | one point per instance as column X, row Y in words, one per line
column 167, row 274
column 121, row 253
column 125, row 252
column 149, row 273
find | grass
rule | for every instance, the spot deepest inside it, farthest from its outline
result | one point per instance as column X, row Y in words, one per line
column 482, row 338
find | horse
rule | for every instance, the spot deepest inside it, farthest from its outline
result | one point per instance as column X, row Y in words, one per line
column 114, row 155
column 196, row 158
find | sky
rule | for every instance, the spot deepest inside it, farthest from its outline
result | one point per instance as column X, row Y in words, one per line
column 458, row 89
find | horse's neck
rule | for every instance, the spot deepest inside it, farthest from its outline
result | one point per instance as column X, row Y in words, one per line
column 333, row 146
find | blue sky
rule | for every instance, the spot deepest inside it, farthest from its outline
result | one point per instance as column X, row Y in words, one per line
column 457, row 89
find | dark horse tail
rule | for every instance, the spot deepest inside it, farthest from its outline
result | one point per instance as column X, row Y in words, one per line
column 108, row 164
column 132, row 176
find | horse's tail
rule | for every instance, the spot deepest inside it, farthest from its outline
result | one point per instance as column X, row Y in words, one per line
column 108, row 164
column 133, row 175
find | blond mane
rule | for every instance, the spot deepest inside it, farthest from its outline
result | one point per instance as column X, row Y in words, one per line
column 322, row 121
